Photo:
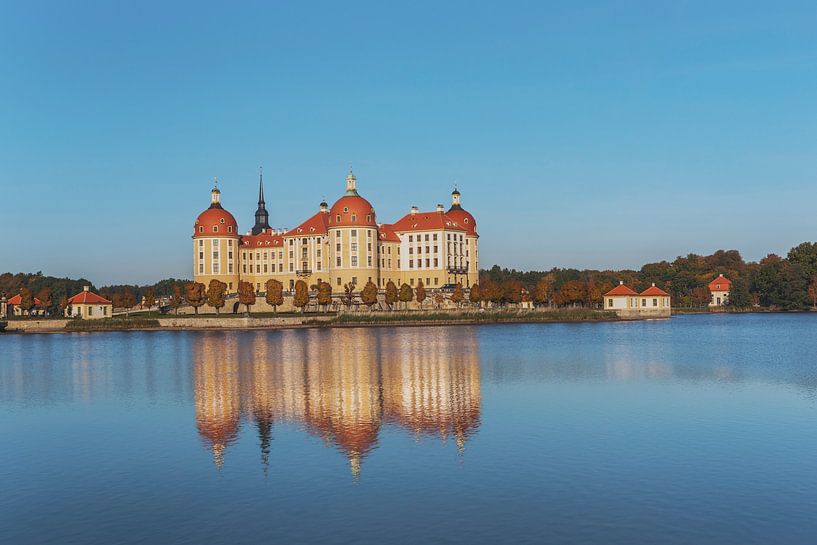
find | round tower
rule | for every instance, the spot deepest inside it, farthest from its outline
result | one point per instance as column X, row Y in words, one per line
column 215, row 244
column 353, row 236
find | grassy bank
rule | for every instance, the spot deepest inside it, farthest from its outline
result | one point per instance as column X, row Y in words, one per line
column 112, row 324
column 500, row 316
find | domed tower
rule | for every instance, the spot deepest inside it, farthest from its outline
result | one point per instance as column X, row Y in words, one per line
column 215, row 244
column 353, row 238
column 466, row 250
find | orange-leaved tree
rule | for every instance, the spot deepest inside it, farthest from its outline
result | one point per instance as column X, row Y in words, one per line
column 420, row 293
column 216, row 294
column 246, row 295
column 475, row 295
column 457, row 297
column 275, row 293
column 194, row 293
column 324, row 294
column 301, row 298
column 391, row 294
column 406, row 294
column 369, row 295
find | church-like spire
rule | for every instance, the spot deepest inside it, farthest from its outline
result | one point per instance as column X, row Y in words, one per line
column 261, row 214
column 215, row 195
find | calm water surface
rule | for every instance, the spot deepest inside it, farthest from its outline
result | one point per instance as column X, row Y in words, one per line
column 701, row 429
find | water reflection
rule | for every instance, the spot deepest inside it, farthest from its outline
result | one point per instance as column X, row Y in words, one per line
column 342, row 386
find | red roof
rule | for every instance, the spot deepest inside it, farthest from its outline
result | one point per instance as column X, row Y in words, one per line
column 621, row 289
column 215, row 221
column 654, row 291
column 464, row 219
column 721, row 283
column 262, row 240
column 426, row 221
column 387, row 233
column 352, row 205
column 16, row 301
column 88, row 297
column 316, row 225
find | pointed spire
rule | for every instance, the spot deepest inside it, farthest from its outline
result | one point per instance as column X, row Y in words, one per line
column 351, row 182
column 260, row 185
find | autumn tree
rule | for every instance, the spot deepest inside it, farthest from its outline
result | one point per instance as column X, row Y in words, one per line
column 26, row 300
column 195, row 295
column 324, row 294
column 275, row 293
column 593, row 294
column 812, row 291
column 420, row 293
column 571, row 293
column 128, row 301
column 543, row 292
column 700, row 297
column 176, row 298
column 369, row 295
column 512, row 291
column 406, row 294
column 491, row 292
column 439, row 299
column 246, row 295
column 474, row 295
column 149, row 300
column 46, row 299
column 391, row 294
column 457, row 297
column 301, row 298
column 216, row 294
column 63, row 303
column 348, row 294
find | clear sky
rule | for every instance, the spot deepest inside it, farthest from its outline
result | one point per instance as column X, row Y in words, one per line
column 582, row 134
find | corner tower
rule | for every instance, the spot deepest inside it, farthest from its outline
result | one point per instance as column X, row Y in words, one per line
column 215, row 244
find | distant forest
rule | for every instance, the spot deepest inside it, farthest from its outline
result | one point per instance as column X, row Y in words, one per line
column 774, row 282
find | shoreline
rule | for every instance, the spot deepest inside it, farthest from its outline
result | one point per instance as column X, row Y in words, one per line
column 236, row 323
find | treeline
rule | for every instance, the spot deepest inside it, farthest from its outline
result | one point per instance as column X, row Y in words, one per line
column 774, row 282
column 53, row 292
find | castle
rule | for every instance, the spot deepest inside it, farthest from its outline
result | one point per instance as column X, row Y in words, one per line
column 339, row 245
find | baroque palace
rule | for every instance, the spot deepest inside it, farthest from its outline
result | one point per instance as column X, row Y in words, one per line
column 342, row 244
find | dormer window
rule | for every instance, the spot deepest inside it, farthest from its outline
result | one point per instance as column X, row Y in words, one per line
column 221, row 221
column 345, row 209
column 229, row 228
column 215, row 228
column 338, row 218
column 368, row 218
column 354, row 217
column 465, row 220
column 201, row 228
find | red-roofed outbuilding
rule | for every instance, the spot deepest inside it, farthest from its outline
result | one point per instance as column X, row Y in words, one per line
column 88, row 305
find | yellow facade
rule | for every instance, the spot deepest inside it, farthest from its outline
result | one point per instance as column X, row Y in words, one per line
column 339, row 246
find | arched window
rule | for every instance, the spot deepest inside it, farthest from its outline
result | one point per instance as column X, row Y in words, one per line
column 201, row 228
column 215, row 228
column 229, row 228
column 338, row 218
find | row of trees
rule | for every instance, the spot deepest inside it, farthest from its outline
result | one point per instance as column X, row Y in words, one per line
column 773, row 282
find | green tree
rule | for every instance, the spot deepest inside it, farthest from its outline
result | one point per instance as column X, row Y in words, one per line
column 406, row 294
column 369, row 295
column 457, row 296
column 216, row 294
column 474, row 295
column 391, row 294
column 420, row 293
column 195, row 295
column 301, row 298
column 246, row 295
column 275, row 294
column 739, row 296
column 804, row 255
column 324, row 294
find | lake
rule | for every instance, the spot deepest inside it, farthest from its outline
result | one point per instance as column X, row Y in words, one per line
column 699, row 429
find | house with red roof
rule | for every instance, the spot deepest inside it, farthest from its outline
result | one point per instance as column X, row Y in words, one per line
column 719, row 291
column 88, row 306
column 653, row 302
column 13, row 307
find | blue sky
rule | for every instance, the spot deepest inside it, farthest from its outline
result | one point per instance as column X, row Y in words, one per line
column 601, row 135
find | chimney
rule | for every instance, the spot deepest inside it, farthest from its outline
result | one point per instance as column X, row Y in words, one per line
column 86, row 288
column 414, row 210
column 653, row 284
column 621, row 282
column 440, row 208
column 721, row 274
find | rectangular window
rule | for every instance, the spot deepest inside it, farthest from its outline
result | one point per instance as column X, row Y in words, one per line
column 354, row 233
column 354, row 246
column 337, row 262
column 90, row 311
column 436, row 280
column 655, row 302
column 411, row 263
column 291, row 267
column 426, row 238
column 436, row 262
column 354, row 261
column 411, row 238
column 609, row 302
column 338, row 280
column 369, row 259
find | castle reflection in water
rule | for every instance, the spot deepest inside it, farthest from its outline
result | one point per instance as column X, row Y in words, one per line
column 340, row 385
